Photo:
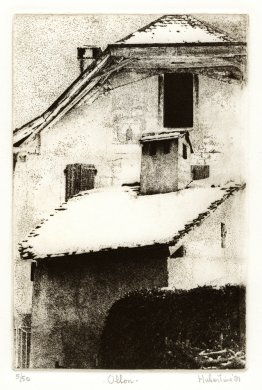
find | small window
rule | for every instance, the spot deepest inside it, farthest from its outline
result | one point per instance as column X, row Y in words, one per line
column 152, row 149
column 184, row 151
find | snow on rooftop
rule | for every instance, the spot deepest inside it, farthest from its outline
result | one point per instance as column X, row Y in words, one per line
column 117, row 217
column 176, row 29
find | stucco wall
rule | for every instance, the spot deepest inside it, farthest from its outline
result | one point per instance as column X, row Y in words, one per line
column 221, row 127
column 205, row 261
column 159, row 171
column 73, row 295
column 184, row 169
column 96, row 135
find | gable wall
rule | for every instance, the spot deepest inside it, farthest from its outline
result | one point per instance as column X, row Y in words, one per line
column 206, row 262
column 96, row 135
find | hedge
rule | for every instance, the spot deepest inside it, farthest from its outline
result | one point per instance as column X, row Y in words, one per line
column 167, row 329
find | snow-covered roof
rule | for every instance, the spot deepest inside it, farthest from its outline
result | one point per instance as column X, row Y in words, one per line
column 169, row 29
column 172, row 29
column 107, row 219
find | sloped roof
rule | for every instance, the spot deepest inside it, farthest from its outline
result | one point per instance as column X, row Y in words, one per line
column 84, row 223
column 169, row 29
column 87, row 85
column 176, row 29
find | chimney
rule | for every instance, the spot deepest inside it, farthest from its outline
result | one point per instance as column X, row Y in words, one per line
column 86, row 55
column 165, row 163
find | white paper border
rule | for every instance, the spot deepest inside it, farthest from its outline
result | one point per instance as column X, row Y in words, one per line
column 154, row 379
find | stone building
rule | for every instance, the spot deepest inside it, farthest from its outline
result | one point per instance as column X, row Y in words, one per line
column 177, row 78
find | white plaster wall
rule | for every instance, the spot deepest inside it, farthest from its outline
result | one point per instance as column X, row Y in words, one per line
column 96, row 135
column 206, row 262
column 184, row 168
column 222, row 123
column 159, row 172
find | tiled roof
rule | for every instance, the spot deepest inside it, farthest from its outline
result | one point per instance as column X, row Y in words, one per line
column 84, row 223
column 176, row 29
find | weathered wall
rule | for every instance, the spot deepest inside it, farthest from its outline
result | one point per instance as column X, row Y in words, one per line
column 93, row 134
column 97, row 134
column 219, row 138
column 73, row 295
column 184, row 169
column 205, row 261
column 159, row 172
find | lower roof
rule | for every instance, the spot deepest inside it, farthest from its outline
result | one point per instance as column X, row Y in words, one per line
column 112, row 218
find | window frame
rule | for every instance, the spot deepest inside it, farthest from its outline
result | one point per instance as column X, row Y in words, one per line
column 161, row 103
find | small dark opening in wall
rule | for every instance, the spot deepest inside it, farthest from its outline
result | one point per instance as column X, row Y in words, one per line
column 223, row 235
column 33, row 268
column 96, row 52
column 80, row 52
column 152, row 149
column 180, row 252
column 166, row 147
column 184, row 151
column 200, row 172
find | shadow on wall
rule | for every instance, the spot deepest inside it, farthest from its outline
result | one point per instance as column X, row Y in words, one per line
column 200, row 328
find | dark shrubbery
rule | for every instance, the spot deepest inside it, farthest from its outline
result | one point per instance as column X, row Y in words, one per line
column 175, row 329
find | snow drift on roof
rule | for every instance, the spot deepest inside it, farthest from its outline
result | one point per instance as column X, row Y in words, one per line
column 176, row 29
column 117, row 217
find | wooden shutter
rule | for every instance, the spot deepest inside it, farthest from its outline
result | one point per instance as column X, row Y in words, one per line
column 79, row 177
column 199, row 172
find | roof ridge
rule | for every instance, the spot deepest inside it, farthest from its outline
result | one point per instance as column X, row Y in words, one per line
column 187, row 18
column 216, row 29
column 140, row 29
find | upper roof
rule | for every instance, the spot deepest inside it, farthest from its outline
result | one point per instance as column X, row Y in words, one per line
column 170, row 29
column 84, row 223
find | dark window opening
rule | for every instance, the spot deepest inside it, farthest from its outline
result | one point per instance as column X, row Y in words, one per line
column 152, row 149
column 32, row 273
column 184, row 151
column 178, row 100
column 166, row 147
